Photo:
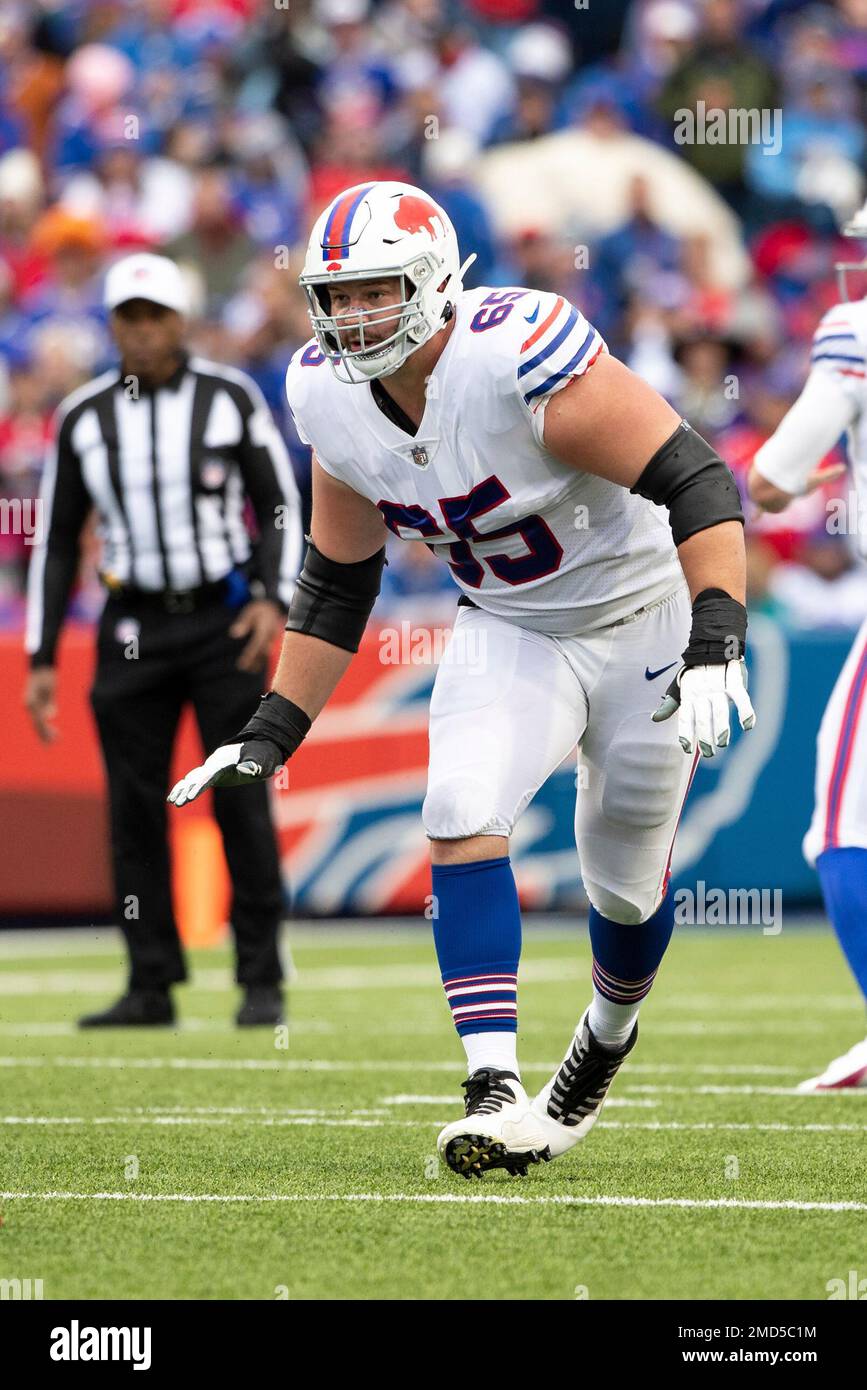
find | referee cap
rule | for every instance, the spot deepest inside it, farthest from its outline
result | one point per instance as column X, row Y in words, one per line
column 144, row 276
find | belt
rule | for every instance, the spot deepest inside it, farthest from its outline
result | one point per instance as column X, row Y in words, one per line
column 170, row 600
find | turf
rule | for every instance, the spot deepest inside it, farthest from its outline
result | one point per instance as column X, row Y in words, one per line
column 343, row 1121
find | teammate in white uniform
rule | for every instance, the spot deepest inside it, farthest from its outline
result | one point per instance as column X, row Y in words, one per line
column 493, row 426
column 834, row 402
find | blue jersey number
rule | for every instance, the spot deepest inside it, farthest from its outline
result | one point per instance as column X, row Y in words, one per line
column 544, row 552
column 501, row 305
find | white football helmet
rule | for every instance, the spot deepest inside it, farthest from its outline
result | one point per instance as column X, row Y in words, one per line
column 373, row 231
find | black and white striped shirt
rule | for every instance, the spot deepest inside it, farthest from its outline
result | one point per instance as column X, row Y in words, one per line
column 168, row 471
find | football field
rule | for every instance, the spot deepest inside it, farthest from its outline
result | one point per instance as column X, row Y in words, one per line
column 209, row 1162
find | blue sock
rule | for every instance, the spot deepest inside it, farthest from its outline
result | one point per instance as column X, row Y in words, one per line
column 625, row 962
column 477, row 934
column 843, row 875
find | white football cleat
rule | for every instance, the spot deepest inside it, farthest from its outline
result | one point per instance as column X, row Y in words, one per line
column 848, row 1072
column 498, row 1129
column 568, row 1106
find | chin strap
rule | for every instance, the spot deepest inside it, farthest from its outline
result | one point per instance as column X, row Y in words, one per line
column 449, row 311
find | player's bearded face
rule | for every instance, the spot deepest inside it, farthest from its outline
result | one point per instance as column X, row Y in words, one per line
column 367, row 312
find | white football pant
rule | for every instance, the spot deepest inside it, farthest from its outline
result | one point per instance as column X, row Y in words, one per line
column 840, row 811
column 508, row 706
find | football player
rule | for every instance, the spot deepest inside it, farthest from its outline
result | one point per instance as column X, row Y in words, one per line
column 598, row 544
column 832, row 403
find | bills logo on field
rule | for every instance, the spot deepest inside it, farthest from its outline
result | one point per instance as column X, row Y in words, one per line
column 348, row 807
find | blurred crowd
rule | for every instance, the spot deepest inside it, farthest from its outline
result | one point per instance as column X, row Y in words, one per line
column 214, row 131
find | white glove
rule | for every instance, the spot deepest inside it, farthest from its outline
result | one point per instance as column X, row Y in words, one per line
column 233, row 765
column 701, row 696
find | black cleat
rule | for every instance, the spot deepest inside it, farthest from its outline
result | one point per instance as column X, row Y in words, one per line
column 569, row 1105
column 498, row 1129
column 473, row 1155
column 262, row 1007
column 140, row 1008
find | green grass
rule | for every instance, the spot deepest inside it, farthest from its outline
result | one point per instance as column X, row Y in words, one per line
column 731, row 1010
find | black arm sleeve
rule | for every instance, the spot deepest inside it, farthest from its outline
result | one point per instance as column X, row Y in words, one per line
column 63, row 505
column 333, row 601
column 689, row 478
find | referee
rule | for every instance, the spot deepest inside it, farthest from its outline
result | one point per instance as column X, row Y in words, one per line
column 168, row 448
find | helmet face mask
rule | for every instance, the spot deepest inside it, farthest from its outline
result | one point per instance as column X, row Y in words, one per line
column 855, row 229
column 376, row 358
column 843, row 269
column 381, row 231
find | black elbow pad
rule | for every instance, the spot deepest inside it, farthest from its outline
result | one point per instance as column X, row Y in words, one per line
column 689, row 478
column 333, row 601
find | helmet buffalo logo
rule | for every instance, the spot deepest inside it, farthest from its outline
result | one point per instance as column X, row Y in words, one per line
column 416, row 215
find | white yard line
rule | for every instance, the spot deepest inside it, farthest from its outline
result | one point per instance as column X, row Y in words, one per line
column 770, row 1127
column 410, row 1099
column 317, row 1026
column 553, row 970
column 270, row 1121
column 330, row 1119
column 228, row 1064
column 736, row 1091
column 291, row 1064
column 381, row 1198
column 322, row 1027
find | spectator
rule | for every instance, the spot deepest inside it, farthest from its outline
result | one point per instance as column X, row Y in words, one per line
column 447, row 173
column 216, row 244
column 476, row 86
column 727, row 73
column 21, row 197
column 828, row 588
column 546, row 132
column 69, row 295
column 540, row 59
column 139, row 200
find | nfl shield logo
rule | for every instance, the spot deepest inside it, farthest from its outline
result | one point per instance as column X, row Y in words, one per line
column 213, row 473
column 419, row 456
column 127, row 629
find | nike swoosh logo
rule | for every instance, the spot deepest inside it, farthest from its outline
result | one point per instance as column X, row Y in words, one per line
column 531, row 318
column 651, row 675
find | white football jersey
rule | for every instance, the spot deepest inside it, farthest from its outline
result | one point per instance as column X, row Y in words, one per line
column 526, row 537
column 840, row 350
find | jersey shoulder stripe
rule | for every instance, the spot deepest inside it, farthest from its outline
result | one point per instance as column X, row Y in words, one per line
column 562, row 345
column 838, row 347
column 528, row 364
column 584, row 358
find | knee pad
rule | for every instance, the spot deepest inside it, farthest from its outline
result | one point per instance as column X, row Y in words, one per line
column 632, row 907
column 643, row 777
column 460, row 807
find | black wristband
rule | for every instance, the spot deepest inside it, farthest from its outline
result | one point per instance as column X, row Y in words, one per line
column 279, row 721
column 719, row 629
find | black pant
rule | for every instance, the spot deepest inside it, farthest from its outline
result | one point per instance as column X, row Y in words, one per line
column 143, row 680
